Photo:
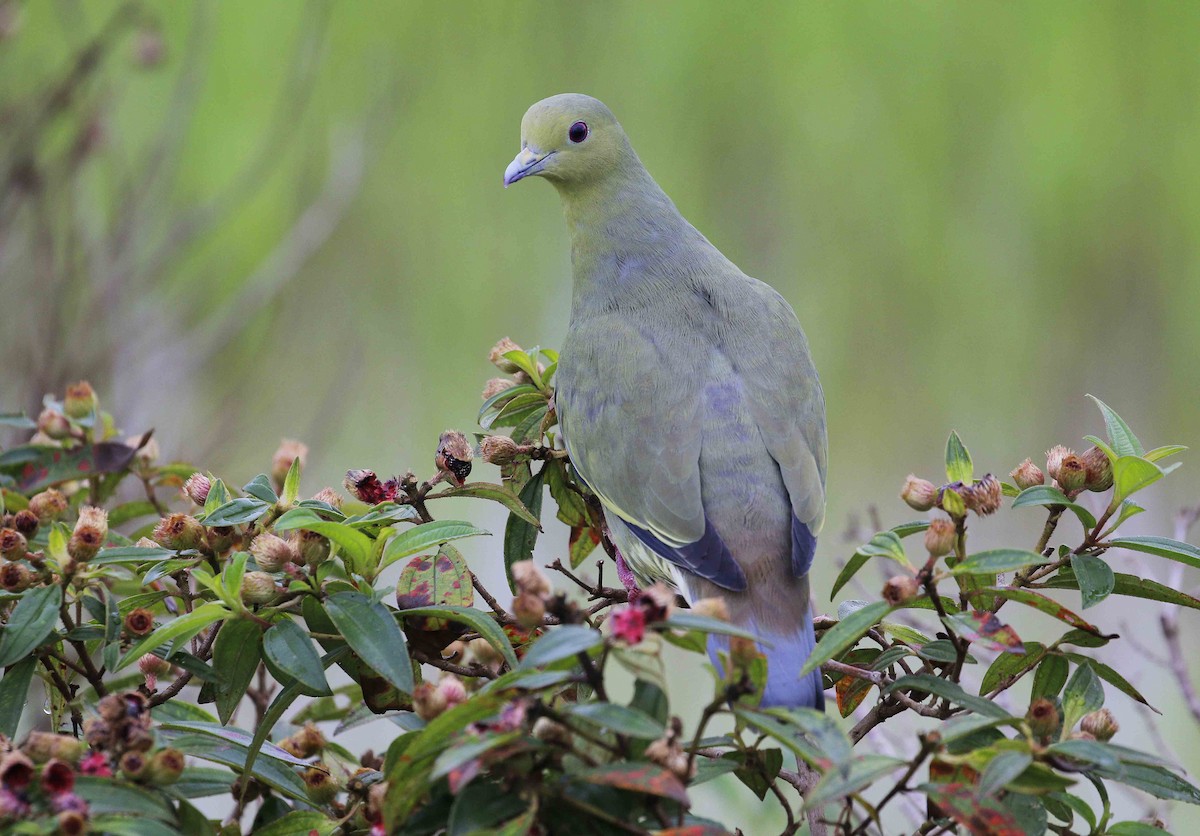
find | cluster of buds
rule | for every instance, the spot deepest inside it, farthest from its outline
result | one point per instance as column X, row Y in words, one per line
column 453, row 458
column 667, row 752
column 1074, row 473
column 26, row 793
column 433, row 699
column 533, row 593
column 121, row 737
column 983, row 496
column 655, row 604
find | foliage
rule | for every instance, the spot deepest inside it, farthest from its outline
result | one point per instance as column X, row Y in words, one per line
column 153, row 632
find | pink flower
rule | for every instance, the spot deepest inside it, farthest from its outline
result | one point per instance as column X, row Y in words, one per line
column 96, row 763
column 629, row 624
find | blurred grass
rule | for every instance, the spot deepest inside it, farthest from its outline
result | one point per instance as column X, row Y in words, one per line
column 980, row 211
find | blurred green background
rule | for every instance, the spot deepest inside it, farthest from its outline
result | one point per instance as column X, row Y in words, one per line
column 251, row 220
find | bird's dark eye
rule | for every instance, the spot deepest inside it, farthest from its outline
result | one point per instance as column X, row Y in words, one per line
column 578, row 132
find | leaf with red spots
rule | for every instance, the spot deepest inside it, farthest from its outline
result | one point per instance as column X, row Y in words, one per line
column 980, row 816
column 36, row 467
column 638, row 777
column 987, row 629
column 1043, row 603
column 442, row 579
column 850, row 691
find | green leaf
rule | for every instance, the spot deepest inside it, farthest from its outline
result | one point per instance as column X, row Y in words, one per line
column 1040, row 602
column 1135, row 828
column 496, row 493
column 1131, row 586
column 130, row 554
column 519, row 536
column 561, row 643
column 1048, row 496
column 820, row 739
column 998, row 560
column 1001, row 769
column 288, row 647
column 958, row 460
column 618, row 719
column 950, row 691
column 299, row 821
column 1156, row 780
column 1175, row 550
column 1131, row 474
column 1084, row 694
column 274, row 773
column 862, row 772
column 291, row 483
column 184, row 626
column 1112, row 678
column 127, row 511
column 354, row 546
column 372, row 633
column 1122, row 439
column 1011, row 665
column 109, row 796
column 1163, row 452
column 478, row 621
column 1095, row 577
column 236, row 654
column 884, row 544
column 233, row 735
column 426, row 536
column 244, row 509
column 843, row 635
column 260, row 488
column 13, row 689
column 1050, row 677
column 1087, row 751
column 30, row 623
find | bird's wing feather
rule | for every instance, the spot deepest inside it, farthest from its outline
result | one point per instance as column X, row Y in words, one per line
column 634, row 434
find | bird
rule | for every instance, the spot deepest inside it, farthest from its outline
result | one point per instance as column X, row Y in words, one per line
column 686, row 395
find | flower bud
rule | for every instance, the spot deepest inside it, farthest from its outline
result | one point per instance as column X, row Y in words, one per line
column 289, row 450
column 15, row 577
column 258, row 588
column 984, row 496
column 54, row 424
column 1042, row 718
column 57, row 777
column 13, row 545
column 313, row 548
column 80, row 401
column 1027, row 475
column 497, row 358
column 49, row 505
column 1054, row 459
column 495, row 386
column 151, row 665
column 91, row 530
column 271, row 552
column 330, row 497
column 482, row 652
column 134, row 765
column 306, row 742
column 712, row 608
column 1100, row 724
column 43, row 746
column 71, row 823
column 218, row 539
column 940, row 536
column 196, row 488
column 139, row 622
column 16, row 771
column 26, row 522
column 528, row 577
column 529, row 609
column 428, row 702
column 919, row 494
column 453, row 457
column 1071, row 474
column 498, row 449
column 1098, row 473
column 165, row 767
column 452, row 690
column 900, row 589
column 179, row 532
column 628, row 624
column 321, row 788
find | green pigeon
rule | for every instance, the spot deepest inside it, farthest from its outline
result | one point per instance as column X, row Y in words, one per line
column 687, row 398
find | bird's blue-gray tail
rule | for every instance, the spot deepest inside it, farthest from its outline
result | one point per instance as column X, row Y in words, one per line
column 786, row 655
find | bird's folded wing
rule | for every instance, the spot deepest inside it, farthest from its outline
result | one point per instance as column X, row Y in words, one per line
column 634, row 436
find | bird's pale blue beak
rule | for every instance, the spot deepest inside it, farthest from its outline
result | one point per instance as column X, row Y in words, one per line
column 526, row 164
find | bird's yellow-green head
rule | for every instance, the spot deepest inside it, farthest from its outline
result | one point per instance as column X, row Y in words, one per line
column 572, row 140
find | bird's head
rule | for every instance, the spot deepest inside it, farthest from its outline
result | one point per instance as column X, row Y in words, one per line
column 571, row 140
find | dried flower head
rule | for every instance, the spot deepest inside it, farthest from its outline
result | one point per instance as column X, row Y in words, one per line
column 91, row 530
column 1054, row 459
column 16, row 771
column 26, row 522
column 497, row 385
column 365, row 486
column 453, row 458
column 289, row 450
column 529, row 609
column 13, row 545
column 139, row 622
column 984, row 496
column 133, row 765
column 165, row 767
column 57, row 777
column 1043, row 718
column 528, row 577
column 919, row 494
column 497, row 358
column 49, row 505
column 900, row 589
column 81, row 400
column 179, row 532
column 940, row 536
column 319, row 785
column 1098, row 472
column 71, row 823
column 1027, row 475
column 196, row 488
column 271, row 552
column 1072, row 476
column 306, row 742
column 15, row 577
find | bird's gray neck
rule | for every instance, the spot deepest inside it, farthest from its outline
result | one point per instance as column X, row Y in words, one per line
column 627, row 239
